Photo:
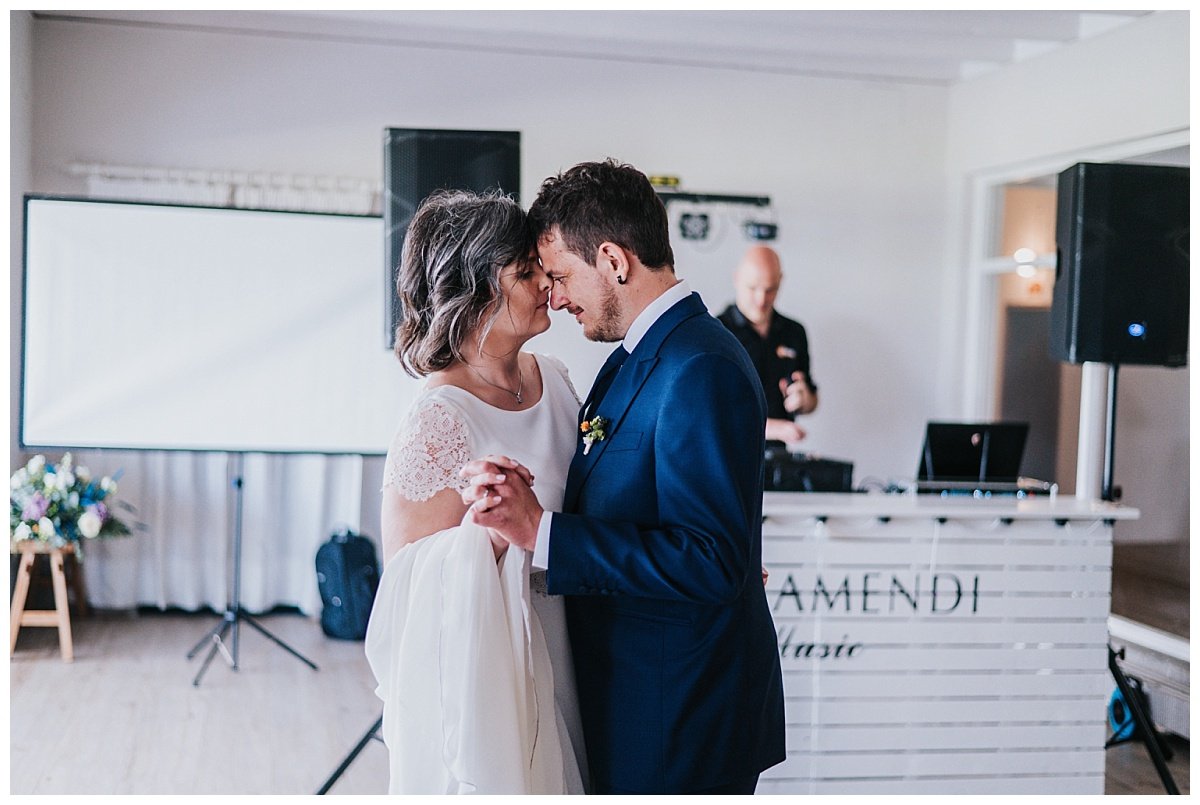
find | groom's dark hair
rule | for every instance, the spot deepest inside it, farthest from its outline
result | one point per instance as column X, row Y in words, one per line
column 595, row 202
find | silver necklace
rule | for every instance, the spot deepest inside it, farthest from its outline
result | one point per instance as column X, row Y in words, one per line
column 520, row 383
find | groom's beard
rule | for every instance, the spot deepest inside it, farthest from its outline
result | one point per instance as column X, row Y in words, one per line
column 608, row 326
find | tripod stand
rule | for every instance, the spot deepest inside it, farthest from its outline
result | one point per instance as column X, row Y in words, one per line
column 1143, row 727
column 234, row 613
column 358, row 747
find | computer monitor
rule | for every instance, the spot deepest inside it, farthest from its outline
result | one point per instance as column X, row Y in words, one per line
column 978, row 452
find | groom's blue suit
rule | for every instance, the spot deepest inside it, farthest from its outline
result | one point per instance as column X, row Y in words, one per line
column 659, row 550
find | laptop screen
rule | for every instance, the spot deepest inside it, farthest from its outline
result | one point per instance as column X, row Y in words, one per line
column 986, row 452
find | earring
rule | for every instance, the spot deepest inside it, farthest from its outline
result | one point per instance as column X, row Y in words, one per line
column 620, row 280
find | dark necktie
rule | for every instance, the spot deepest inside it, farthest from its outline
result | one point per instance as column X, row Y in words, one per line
column 608, row 373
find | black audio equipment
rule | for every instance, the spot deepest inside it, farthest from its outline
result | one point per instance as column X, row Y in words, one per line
column 418, row 161
column 1121, row 285
column 800, row 472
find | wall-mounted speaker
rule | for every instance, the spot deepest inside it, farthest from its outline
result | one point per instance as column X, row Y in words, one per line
column 1121, row 284
column 418, row 161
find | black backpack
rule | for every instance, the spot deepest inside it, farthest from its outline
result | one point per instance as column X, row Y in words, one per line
column 347, row 576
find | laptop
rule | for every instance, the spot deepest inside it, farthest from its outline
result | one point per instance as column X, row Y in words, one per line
column 972, row 457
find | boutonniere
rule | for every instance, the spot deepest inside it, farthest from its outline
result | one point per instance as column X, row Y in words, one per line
column 593, row 431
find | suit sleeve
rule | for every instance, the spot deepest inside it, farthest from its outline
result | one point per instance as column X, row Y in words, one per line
column 707, row 470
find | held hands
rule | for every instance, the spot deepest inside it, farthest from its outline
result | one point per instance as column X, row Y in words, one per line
column 798, row 398
column 499, row 497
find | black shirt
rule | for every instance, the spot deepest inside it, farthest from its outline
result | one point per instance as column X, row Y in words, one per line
column 783, row 351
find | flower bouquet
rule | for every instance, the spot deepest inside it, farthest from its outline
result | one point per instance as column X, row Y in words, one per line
column 62, row 505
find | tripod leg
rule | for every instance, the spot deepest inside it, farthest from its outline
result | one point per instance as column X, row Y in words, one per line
column 345, row 764
column 216, row 645
column 1150, row 736
column 233, row 658
column 207, row 637
column 277, row 641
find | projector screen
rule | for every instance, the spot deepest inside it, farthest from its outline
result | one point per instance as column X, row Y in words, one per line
column 190, row 328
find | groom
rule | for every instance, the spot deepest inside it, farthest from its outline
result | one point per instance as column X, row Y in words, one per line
column 659, row 545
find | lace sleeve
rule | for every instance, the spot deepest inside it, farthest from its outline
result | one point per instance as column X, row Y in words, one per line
column 561, row 368
column 427, row 452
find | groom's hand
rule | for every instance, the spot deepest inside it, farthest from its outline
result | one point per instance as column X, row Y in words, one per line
column 499, row 497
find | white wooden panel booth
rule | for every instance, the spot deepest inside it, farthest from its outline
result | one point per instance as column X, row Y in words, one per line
column 941, row 645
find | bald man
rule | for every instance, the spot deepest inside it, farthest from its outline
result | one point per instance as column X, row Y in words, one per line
column 778, row 346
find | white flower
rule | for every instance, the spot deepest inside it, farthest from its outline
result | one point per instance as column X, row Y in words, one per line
column 65, row 464
column 65, row 479
column 73, row 500
column 22, row 531
column 108, row 485
column 19, row 478
column 49, row 480
column 36, row 465
column 46, row 528
column 83, row 474
column 89, row 524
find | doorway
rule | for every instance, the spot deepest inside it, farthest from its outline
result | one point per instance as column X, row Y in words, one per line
column 1151, row 461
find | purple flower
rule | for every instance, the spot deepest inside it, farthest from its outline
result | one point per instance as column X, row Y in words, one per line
column 36, row 508
column 100, row 509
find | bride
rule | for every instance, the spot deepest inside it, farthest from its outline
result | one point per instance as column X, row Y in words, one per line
column 470, row 654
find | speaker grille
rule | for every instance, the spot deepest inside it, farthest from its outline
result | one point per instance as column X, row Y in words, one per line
column 418, row 161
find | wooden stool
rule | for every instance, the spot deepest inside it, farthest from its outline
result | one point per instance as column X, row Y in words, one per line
column 60, row 616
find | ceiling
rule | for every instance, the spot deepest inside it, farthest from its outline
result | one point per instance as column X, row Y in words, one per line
column 909, row 47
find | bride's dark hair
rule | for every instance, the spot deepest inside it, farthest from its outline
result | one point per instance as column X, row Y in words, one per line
column 449, row 280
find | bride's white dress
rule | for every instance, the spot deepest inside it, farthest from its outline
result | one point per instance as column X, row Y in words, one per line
column 472, row 657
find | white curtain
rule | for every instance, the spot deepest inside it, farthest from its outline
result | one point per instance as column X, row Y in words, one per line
column 182, row 550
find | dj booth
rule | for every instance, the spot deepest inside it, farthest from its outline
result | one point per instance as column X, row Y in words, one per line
column 941, row 644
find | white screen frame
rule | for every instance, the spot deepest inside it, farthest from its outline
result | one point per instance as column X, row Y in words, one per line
column 263, row 334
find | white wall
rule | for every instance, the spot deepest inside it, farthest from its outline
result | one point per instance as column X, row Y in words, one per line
column 1121, row 85
column 855, row 168
column 20, row 171
column 1126, row 85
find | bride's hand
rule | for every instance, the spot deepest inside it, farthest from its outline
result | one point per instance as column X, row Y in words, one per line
column 503, row 502
column 494, row 464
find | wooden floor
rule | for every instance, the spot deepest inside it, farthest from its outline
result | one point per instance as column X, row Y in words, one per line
column 124, row 718
column 1129, row 770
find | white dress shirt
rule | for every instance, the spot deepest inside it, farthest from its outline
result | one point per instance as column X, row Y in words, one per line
column 633, row 336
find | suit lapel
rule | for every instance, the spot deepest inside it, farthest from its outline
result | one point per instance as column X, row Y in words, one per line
column 613, row 407
column 624, row 390
column 611, row 366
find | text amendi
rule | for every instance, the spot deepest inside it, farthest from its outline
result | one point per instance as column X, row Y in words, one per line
column 873, row 593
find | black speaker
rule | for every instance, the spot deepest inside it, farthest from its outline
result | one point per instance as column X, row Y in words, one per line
column 1121, row 285
column 418, row 161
